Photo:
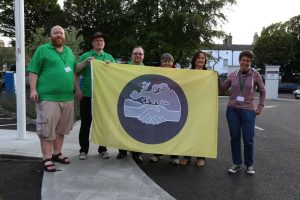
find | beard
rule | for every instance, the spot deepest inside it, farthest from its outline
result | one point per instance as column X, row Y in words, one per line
column 58, row 41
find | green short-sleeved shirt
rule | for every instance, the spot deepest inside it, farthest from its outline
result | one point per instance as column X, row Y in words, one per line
column 55, row 73
column 86, row 72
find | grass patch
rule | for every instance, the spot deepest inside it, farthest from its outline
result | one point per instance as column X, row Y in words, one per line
column 9, row 103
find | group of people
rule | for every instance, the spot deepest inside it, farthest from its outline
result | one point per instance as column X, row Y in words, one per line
column 54, row 78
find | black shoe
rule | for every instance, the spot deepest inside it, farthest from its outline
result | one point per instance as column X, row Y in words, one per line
column 234, row 169
column 121, row 155
column 137, row 158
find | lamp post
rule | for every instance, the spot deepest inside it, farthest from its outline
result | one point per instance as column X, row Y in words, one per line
column 20, row 69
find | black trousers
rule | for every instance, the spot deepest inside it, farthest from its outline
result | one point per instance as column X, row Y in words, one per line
column 86, row 120
column 171, row 156
column 133, row 152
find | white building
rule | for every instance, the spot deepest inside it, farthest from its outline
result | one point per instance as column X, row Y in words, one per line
column 2, row 43
column 227, row 54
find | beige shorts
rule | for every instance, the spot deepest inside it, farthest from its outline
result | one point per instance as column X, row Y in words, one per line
column 54, row 118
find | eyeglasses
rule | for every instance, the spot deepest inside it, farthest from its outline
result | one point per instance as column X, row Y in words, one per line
column 136, row 53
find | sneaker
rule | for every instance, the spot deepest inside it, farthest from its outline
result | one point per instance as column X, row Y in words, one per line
column 155, row 158
column 104, row 155
column 82, row 156
column 250, row 170
column 121, row 155
column 234, row 169
column 175, row 161
column 137, row 158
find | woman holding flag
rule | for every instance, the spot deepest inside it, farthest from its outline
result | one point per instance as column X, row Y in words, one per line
column 167, row 61
column 198, row 62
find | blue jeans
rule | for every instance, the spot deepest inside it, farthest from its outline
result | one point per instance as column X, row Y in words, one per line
column 241, row 122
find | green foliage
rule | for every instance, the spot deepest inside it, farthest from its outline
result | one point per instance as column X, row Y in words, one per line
column 39, row 38
column 9, row 103
column 74, row 40
column 97, row 15
column 175, row 26
column 274, row 46
column 293, row 27
column 279, row 44
column 7, row 55
column 179, row 27
column 38, row 13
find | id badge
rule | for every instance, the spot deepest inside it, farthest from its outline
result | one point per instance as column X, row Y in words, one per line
column 68, row 69
column 240, row 98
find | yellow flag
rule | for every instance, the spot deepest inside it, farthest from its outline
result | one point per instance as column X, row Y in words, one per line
column 154, row 109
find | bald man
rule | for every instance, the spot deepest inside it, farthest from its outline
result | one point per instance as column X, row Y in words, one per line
column 51, row 78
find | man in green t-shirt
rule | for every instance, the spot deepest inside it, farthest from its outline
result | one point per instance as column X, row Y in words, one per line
column 51, row 78
column 84, row 69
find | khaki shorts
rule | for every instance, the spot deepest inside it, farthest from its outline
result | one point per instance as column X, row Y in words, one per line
column 54, row 118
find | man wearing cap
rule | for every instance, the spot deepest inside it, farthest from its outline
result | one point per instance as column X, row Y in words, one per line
column 51, row 78
column 84, row 69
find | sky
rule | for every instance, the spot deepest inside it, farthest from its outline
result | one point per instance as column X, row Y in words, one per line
column 250, row 16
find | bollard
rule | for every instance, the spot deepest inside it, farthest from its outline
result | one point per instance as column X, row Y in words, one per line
column 9, row 83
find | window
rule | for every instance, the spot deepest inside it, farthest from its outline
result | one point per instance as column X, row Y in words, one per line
column 225, row 63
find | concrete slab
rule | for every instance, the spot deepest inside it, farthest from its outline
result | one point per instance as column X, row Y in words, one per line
column 93, row 178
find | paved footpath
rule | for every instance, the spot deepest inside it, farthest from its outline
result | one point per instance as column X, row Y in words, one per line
column 91, row 179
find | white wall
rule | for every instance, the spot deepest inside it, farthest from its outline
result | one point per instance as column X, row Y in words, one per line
column 231, row 56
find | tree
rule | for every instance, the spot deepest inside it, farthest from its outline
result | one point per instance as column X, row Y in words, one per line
column 175, row 26
column 74, row 40
column 7, row 55
column 277, row 45
column 38, row 13
column 98, row 15
column 293, row 27
column 39, row 38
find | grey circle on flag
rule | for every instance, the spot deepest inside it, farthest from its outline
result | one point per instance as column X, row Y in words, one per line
column 152, row 108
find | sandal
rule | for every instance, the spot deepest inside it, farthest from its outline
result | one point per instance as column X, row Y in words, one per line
column 200, row 162
column 184, row 161
column 49, row 167
column 64, row 160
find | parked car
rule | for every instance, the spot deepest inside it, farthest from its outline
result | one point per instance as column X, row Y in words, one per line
column 287, row 87
column 297, row 93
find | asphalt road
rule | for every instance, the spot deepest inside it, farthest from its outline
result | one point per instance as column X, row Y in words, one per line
column 277, row 162
column 20, row 178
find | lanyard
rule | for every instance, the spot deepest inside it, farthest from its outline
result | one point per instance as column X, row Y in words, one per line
column 61, row 56
column 242, row 83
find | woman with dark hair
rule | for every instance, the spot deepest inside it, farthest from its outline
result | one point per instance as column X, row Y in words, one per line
column 241, row 111
column 198, row 62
